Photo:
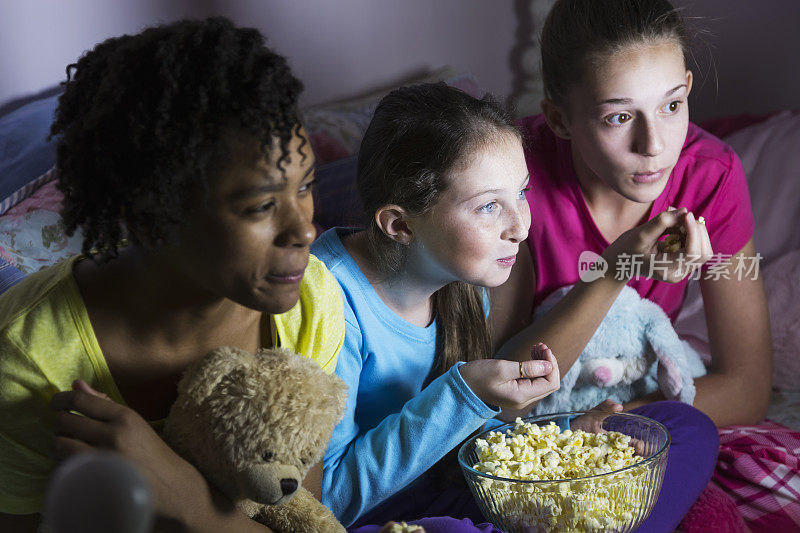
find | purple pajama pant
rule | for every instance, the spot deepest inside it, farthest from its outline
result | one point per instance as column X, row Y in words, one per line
column 690, row 464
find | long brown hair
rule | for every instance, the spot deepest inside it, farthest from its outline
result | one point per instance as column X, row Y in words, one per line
column 417, row 136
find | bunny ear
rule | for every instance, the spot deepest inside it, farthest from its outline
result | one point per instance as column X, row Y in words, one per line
column 673, row 378
column 200, row 380
column 669, row 377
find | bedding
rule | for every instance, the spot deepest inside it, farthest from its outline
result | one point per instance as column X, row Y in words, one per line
column 757, row 465
column 336, row 129
column 771, row 161
column 32, row 235
column 25, row 152
column 8, row 275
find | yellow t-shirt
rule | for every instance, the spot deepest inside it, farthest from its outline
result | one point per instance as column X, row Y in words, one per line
column 47, row 341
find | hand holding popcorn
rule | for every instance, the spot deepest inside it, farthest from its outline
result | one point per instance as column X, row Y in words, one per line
column 513, row 384
column 685, row 248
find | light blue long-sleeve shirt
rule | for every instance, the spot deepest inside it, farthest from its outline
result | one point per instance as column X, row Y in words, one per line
column 392, row 431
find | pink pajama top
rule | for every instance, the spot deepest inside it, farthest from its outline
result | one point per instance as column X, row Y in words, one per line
column 708, row 179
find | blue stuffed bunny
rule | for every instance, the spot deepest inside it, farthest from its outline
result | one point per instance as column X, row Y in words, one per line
column 634, row 352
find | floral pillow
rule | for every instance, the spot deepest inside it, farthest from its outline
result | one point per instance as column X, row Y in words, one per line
column 32, row 234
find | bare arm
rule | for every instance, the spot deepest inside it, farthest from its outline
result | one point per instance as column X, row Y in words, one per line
column 183, row 498
column 567, row 328
column 312, row 483
column 210, row 510
column 737, row 388
column 313, row 480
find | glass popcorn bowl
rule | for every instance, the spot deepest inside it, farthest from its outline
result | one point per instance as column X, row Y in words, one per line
column 618, row 500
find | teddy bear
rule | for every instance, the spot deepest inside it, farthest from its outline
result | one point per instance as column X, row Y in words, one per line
column 254, row 424
column 634, row 352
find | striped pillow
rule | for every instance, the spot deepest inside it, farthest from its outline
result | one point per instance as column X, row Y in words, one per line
column 8, row 275
column 26, row 190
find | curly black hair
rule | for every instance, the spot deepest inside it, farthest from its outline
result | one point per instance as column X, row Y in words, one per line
column 141, row 117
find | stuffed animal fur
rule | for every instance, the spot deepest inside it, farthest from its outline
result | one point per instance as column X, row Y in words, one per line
column 254, row 425
column 634, row 351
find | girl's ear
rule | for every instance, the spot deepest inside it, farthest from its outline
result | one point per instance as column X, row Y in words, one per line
column 393, row 221
column 689, row 79
column 555, row 118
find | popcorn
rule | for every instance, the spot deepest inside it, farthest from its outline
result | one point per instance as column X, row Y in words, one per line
column 672, row 243
column 533, row 452
column 674, row 240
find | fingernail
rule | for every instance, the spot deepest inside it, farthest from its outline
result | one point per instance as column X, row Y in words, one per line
column 546, row 367
column 690, row 216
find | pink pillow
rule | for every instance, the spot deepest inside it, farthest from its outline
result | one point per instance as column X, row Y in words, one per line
column 771, row 161
column 724, row 126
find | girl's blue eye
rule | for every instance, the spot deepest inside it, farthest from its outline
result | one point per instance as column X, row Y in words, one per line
column 672, row 107
column 488, row 208
column 618, row 119
column 521, row 195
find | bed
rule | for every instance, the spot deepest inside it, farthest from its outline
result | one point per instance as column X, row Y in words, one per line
column 758, row 470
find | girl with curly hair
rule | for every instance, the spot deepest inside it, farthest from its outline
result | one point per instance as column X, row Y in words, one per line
column 185, row 141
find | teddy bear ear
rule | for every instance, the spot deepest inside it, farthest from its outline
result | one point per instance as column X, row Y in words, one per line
column 200, row 380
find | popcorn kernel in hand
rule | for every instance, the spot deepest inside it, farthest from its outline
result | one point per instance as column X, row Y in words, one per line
column 672, row 244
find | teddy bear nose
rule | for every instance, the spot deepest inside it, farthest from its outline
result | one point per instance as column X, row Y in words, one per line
column 288, row 486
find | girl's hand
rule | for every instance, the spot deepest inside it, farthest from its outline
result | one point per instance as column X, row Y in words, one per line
column 637, row 252
column 107, row 425
column 392, row 527
column 592, row 422
column 513, row 384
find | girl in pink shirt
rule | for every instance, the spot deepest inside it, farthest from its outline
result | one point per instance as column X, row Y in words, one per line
column 609, row 157
column 613, row 151
column 707, row 178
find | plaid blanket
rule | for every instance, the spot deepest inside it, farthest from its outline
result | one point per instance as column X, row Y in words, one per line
column 759, row 466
